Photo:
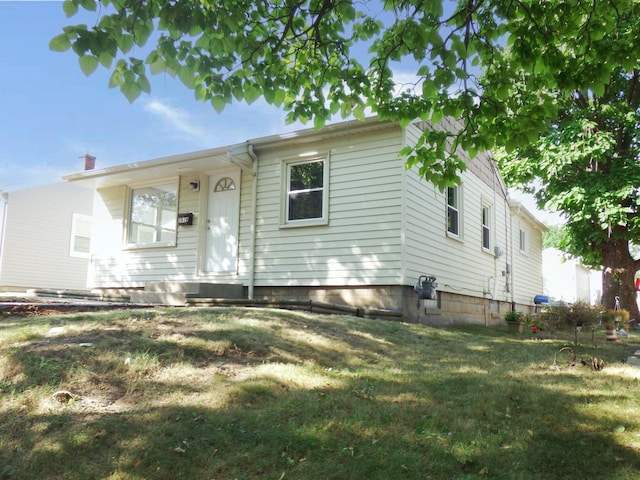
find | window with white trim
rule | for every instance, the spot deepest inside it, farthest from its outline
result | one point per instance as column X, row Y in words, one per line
column 453, row 210
column 486, row 227
column 153, row 213
column 80, row 245
column 523, row 241
column 306, row 192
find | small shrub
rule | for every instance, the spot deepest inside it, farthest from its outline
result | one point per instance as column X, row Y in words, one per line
column 555, row 315
column 584, row 315
column 514, row 316
column 579, row 314
column 537, row 325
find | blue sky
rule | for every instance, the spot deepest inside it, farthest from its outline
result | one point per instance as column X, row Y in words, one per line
column 51, row 113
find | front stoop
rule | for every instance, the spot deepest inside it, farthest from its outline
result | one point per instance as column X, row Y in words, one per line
column 179, row 293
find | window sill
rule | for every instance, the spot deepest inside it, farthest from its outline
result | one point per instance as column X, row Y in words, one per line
column 149, row 246
column 320, row 222
column 457, row 238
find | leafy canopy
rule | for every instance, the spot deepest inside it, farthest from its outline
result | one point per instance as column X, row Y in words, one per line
column 552, row 238
column 498, row 66
column 586, row 165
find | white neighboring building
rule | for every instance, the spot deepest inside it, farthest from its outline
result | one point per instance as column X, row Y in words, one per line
column 45, row 235
column 568, row 280
column 526, row 253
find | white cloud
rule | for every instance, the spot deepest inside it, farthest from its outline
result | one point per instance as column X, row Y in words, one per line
column 179, row 120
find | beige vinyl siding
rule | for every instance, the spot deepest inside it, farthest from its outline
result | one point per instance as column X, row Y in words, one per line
column 527, row 266
column 460, row 265
column 114, row 265
column 108, row 266
column 36, row 250
column 245, row 228
column 361, row 244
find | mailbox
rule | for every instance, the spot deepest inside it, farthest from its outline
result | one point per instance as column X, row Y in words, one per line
column 426, row 287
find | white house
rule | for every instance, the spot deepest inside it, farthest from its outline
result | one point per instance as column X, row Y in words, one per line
column 45, row 237
column 567, row 280
column 330, row 215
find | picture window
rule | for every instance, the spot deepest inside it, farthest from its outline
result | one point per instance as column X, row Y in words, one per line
column 153, row 215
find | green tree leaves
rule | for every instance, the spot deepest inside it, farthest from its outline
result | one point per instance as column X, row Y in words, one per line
column 60, row 43
column 70, row 8
column 585, row 165
column 504, row 69
column 553, row 237
column 88, row 64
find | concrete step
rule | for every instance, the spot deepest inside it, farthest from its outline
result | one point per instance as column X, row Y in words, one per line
column 178, row 293
column 213, row 290
column 160, row 298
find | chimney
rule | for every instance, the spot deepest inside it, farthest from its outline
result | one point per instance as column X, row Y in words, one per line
column 89, row 162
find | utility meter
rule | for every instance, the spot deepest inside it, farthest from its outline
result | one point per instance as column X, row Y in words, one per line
column 426, row 287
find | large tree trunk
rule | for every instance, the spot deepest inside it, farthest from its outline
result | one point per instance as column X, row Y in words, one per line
column 618, row 273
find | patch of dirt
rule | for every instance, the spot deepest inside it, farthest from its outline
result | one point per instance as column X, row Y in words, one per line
column 87, row 360
column 31, row 309
column 106, row 397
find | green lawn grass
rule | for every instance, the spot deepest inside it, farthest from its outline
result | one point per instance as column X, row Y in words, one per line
column 267, row 394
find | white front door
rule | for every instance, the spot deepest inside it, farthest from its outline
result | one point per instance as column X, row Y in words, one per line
column 223, row 210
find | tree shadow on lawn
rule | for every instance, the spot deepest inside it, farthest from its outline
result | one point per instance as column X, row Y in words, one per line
column 265, row 433
column 373, row 401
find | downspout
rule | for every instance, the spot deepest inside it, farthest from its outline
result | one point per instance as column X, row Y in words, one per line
column 252, row 252
column 237, row 155
column 508, row 221
column 507, row 241
column 495, row 223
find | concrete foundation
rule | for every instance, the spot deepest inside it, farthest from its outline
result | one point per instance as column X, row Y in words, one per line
column 390, row 301
column 447, row 309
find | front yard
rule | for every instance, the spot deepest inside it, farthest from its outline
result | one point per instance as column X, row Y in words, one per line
column 255, row 393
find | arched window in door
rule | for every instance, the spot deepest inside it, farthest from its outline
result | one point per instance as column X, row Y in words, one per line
column 224, row 184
